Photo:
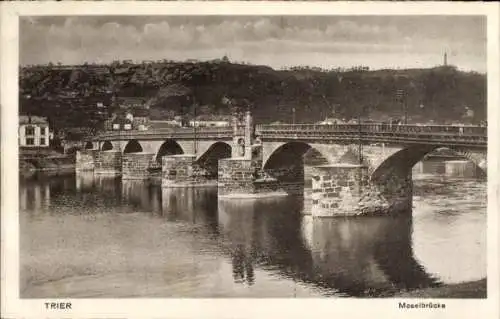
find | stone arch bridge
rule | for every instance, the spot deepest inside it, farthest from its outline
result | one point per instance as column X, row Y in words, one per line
column 358, row 165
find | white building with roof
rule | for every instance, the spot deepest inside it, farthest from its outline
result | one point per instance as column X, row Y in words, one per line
column 33, row 131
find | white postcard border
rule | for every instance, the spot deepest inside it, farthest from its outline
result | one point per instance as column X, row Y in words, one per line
column 13, row 307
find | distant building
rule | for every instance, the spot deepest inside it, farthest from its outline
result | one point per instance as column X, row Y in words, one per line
column 121, row 123
column 140, row 119
column 208, row 123
column 134, row 119
column 211, row 121
column 165, row 124
column 331, row 120
column 469, row 113
column 33, row 131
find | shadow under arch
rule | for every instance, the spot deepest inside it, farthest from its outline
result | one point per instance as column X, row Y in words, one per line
column 133, row 146
column 351, row 156
column 89, row 145
column 286, row 163
column 393, row 177
column 209, row 160
column 404, row 160
column 106, row 146
column 169, row 147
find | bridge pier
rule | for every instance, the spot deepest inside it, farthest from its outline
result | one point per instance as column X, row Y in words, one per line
column 85, row 160
column 344, row 190
column 243, row 178
column 137, row 165
column 108, row 162
column 100, row 162
column 182, row 171
column 397, row 189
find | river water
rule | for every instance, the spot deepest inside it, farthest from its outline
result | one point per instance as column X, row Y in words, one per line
column 90, row 236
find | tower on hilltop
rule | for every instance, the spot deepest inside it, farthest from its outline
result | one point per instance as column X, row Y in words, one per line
column 445, row 59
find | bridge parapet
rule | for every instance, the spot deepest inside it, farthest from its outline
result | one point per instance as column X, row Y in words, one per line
column 174, row 133
column 375, row 127
column 469, row 136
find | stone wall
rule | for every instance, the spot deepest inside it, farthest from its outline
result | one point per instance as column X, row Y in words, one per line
column 108, row 162
column 397, row 190
column 182, row 170
column 290, row 178
column 465, row 169
column 85, row 160
column 245, row 178
column 344, row 190
column 236, row 176
column 137, row 165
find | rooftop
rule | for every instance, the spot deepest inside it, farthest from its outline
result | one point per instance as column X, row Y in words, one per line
column 27, row 119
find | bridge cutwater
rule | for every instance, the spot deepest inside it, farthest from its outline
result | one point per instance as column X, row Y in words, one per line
column 363, row 169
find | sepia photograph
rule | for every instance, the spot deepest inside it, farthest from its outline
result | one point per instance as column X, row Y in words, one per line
column 229, row 156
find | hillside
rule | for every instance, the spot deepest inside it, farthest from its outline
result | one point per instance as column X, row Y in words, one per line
column 68, row 95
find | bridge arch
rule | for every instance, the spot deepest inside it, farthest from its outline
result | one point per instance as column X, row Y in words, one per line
column 404, row 160
column 351, row 155
column 393, row 176
column 133, row 146
column 169, row 147
column 106, row 146
column 89, row 145
column 209, row 160
column 292, row 152
column 286, row 164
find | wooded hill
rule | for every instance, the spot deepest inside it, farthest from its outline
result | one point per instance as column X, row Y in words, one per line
column 68, row 94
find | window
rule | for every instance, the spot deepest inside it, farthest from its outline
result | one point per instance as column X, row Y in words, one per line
column 30, row 130
column 43, row 130
column 116, row 126
column 30, row 141
column 127, row 126
column 42, row 141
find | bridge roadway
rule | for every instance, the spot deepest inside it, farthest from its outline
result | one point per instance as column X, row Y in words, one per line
column 445, row 135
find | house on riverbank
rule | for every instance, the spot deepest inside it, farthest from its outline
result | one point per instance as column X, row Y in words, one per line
column 33, row 131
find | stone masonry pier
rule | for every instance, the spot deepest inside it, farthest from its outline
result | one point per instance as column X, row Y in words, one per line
column 241, row 178
column 108, row 162
column 100, row 162
column 183, row 171
column 344, row 190
column 85, row 160
column 136, row 165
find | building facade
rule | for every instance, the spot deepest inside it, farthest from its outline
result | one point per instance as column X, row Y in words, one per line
column 33, row 131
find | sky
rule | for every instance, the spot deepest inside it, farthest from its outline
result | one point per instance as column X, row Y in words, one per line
column 276, row 41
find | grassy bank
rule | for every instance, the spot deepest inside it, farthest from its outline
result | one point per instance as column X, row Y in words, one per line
column 471, row 289
column 44, row 161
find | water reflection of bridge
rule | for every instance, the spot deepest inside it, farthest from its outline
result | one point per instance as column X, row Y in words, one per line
column 353, row 257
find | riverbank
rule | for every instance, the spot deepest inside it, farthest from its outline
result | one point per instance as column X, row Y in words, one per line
column 471, row 289
column 48, row 161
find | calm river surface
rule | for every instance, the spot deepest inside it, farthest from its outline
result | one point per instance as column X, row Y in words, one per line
column 86, row 236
